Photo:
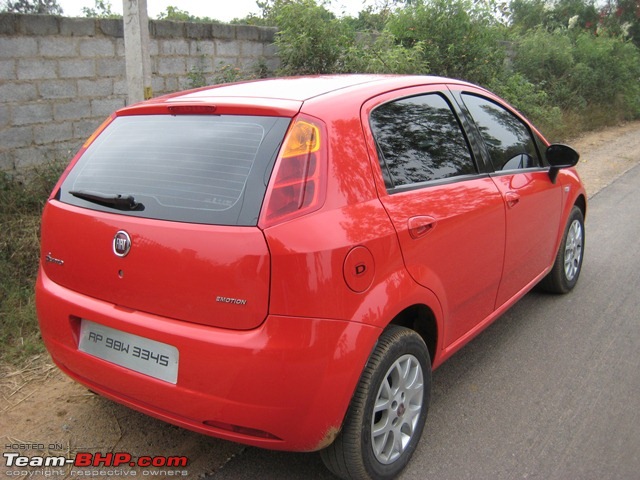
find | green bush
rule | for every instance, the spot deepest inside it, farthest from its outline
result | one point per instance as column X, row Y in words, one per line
column 310, row 39
column 462, row 39
column 21, row 202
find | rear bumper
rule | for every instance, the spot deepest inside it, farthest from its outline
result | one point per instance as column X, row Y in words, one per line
column 285, row 385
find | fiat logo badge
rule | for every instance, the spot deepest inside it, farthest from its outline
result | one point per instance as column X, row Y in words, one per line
column 121, row 243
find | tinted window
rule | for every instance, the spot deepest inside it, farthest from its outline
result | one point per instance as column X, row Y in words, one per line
column 508, row 139
column 419, row 139
column 200, row 169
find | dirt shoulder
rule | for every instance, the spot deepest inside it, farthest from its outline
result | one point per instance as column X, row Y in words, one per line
column 41, row 407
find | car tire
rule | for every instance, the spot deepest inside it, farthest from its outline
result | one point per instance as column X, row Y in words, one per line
column 388, row 411
column 568, row 264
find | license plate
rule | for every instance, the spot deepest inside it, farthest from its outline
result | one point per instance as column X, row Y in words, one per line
column 156, row 359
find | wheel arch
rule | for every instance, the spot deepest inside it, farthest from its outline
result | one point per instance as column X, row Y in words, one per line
column 422, row 320
column 581, row 203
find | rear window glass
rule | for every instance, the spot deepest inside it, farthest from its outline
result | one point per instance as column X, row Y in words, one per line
column 193, row 168
column 419, row 139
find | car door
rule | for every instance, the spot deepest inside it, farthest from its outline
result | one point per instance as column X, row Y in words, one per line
column 449, row 217
column 533, row 202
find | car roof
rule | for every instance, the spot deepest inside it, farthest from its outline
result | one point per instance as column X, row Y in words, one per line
column 302, row 88
column 286, row 95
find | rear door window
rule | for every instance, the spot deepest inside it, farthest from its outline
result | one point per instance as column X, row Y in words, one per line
column 510, row 144
column 419, row 139
column 189, row 168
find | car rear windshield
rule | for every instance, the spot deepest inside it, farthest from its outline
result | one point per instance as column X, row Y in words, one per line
column 190, row 168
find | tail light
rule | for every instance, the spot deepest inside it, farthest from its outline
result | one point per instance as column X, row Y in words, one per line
column 298, row 185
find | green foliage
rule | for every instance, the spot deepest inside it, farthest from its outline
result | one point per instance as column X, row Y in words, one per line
column 176, row 15
column 101, row 9
column 532, row 101
column 310, row 39
column 583, row 70
column 226, row 73
column 461, row 38
column 40, row 7
column 21, row 203
column 381, row 54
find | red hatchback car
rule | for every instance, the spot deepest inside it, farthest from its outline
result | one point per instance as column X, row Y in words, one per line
column 282, row 263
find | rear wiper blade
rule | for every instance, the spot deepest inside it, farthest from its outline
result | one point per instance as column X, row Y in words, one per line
column 116, row 200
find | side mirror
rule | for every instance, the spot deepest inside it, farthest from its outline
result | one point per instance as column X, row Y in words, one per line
column 560, row 156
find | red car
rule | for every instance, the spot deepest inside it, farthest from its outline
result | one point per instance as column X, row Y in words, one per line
column 282, row 263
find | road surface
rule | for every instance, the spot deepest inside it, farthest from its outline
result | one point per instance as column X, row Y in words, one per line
column 550, row 391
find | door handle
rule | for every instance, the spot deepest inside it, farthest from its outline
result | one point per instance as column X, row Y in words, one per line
column 512, row 199
column 420, row 226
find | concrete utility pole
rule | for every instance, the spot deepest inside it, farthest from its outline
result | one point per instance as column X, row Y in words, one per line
column 136, row 45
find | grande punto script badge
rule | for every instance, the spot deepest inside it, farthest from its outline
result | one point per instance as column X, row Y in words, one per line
column 121, row 243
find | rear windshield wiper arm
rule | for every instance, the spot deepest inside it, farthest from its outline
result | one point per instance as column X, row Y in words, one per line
column 116, row 200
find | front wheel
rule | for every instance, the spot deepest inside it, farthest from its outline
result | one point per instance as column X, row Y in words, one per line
column 386, row 417
column 566, row 268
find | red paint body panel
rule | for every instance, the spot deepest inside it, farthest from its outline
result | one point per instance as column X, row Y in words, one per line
column 533, row 222
column 174, row 270
column 460, row 259
column 276, row 378
column 316, row 290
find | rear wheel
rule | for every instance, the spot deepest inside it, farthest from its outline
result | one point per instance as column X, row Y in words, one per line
column 386, row 417
column 568, row 264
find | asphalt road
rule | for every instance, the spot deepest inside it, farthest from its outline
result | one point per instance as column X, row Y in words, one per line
column 550, row 391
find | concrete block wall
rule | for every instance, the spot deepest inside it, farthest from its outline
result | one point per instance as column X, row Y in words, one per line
column 61, row 77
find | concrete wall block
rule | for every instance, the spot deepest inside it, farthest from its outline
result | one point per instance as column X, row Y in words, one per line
column 52, row 133
column 199, row 64
column 198, row 30
column 18, row 92
column 98, row 87
column 73, row 110
column 267, row 34
column 220, row 62
column 77, row 27
column 18, row 47
column 8, row 24
column 4, row 116
column 15, row 137
column 32, row 69
column 8, row 69
column 226, row 32
column 84, row 128
column 225, row 48
column 6, row 161
column 273, row 64
column 111, row 27
column 64, row 151
column 166, row 29
column 157, row 84
column 30, row 157
column 252, row 49
column 105, row 107
column 171, row 85
column 270, row 50
column 246, row 32
column 120, row 87
column 202, row 47
column 58, row 46
column 32, row 113
column 77, row 68
column 172, row 65
column 174, row 47
column 120, row 52
column 111, row 67
column 52, row 89
column 154, row 47
column 97, row 47
column 39, row 24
